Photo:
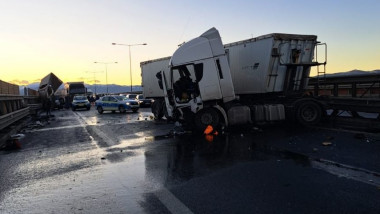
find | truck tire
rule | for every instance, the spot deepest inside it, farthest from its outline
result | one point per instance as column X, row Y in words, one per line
column 308, row 113
column 157, row 110
column 205, row 117
column 100, row 109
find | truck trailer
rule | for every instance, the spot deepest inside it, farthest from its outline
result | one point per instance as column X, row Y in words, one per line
column 151, row 88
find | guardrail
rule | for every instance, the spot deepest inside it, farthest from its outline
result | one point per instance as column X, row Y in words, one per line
column 8, row 119
column 15, row 107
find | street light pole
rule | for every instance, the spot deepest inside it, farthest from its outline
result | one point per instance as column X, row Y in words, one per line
column 94, row 72
column 130, row 57
column 106, row 64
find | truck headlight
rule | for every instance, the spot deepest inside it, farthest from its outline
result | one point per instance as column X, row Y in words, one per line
column 127, row 103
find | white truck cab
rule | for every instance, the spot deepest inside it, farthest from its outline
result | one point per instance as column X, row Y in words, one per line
column 200, row 80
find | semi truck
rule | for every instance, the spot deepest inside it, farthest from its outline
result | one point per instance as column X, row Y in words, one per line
column 257, row 80
column 72, row 89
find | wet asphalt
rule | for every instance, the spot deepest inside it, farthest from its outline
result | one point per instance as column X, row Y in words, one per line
column 83, row 162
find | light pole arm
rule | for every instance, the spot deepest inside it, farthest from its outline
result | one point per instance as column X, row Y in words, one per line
column 130, row 57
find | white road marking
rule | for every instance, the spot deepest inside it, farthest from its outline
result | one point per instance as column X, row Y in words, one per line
column 346, row 171
column 171, row 202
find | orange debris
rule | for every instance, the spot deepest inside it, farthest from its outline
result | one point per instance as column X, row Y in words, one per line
column 208, row 129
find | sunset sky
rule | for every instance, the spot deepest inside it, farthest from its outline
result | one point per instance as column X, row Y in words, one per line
column 66, row 37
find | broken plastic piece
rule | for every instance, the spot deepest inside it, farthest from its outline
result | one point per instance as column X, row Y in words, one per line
column 208, row 130
column 17, row 136
column 326, row 143
column 149, row 138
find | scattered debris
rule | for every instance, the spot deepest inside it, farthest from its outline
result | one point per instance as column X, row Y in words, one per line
column 208, row 129
column 177, row 130
column 326, row 143
column 17, row 136
column 359, row 136
column 149, row 138
column 257, row 129
column 210, row 133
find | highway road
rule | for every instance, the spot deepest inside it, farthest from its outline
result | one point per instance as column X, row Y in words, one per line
column 85, row 162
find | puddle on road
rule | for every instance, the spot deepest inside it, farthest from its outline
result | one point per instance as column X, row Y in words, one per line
column 195, row 156
column 101, row 189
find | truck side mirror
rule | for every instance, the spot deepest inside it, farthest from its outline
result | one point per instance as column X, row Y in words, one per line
column 159, row 77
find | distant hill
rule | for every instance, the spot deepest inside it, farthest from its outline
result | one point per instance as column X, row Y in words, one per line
column 353, row 73
column 112, row 88
column 100, row 89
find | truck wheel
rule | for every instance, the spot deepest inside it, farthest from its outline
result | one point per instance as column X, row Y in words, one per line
column 308, row 113
column 100, row 110
column 205, row 117
column 121, row 109
column 157, row 110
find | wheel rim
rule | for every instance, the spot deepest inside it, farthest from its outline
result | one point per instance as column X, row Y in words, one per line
column 309, row 114
column 206, row 119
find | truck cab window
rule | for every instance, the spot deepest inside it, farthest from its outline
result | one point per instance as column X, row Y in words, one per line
column 184, row 83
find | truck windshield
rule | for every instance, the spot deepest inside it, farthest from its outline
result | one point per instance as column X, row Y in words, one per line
column 184, row 83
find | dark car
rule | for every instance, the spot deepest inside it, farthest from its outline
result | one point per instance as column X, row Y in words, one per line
column 144, row 102
column 80, row 102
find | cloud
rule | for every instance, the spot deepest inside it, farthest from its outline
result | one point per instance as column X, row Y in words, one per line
column 20, row 82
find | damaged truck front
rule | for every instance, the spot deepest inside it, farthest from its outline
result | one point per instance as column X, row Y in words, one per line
column 258, row 80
